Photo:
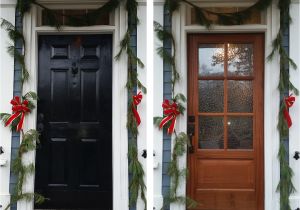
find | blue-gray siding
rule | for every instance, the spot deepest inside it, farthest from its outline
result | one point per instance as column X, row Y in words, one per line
column 167, row 94
column 17, row 92
column 133, row 44
column 286, row 47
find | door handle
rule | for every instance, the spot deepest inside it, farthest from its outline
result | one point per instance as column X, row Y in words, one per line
column 40, row 127
column 40, row 124
column 191, row 133
column 74, row 69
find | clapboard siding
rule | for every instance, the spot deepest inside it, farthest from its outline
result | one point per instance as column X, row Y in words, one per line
column 17, row 92
column 167, row 90
column 133, row 44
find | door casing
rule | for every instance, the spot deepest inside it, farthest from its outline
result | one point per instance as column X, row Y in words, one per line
column 119, row 68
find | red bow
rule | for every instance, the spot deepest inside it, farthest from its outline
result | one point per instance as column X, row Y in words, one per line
column 289, row 101
column 19, row 109
column 171, row 111
column 136, row 100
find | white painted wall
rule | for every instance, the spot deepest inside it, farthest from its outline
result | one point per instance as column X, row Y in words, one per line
column 141, row 53
column 294, row 144
column 157, row 100
column 7, row 11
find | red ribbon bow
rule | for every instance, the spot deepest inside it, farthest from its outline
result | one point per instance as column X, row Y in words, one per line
column 19, row 109
column 171, row 111
column 289, row 101
column 136, row 101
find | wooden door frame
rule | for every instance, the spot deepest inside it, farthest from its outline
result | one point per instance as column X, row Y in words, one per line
column 119, row 77
column 192, row 106
column 271, row 93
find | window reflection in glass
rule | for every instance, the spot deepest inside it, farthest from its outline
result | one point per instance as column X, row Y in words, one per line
column 209, row 63
column 240, row 59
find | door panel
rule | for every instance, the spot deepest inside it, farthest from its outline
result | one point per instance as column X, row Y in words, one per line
column 74, row 161
column 226, row 100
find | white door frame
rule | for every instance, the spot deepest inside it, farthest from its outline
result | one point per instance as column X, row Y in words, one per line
column 119, row 131
column 271, row 93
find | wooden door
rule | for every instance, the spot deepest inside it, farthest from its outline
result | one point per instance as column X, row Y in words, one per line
column 225, row 108
column 74, row 160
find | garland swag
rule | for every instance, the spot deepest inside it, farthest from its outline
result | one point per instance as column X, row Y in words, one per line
column 285, row 186
column 31, row 137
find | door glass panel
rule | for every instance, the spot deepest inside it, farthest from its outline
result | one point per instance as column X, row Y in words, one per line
column 211, row 59
column 240, row 132
column 211, row 132
column 211, row 95
column 240, row 96
column 240, row 59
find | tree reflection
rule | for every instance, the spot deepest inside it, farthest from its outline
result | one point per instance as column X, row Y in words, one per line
column 240, row 58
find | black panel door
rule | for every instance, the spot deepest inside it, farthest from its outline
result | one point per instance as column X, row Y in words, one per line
column 74, row 160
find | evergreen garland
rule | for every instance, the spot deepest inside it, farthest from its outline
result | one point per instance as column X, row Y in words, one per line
column 30, row 138
column 181, row 139
column 285, row 186
column 136, row 184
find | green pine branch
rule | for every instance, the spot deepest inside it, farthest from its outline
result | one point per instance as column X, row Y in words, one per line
column 169, row 58
column 29, row 141
column 233, row 18
column 136, row 184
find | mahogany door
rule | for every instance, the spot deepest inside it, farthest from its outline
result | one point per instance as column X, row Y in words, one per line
column 225, row 108
column 74, row 160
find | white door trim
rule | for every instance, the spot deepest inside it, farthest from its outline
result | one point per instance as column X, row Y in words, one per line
column 294, row 133
column 119, row 109
column 271, row 93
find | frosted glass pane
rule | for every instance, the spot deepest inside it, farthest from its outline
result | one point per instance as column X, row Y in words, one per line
column 211, row 132
column 240, row 96
column 240, row 133
column 211, row 95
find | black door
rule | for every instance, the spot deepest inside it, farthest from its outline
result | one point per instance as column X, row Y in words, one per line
column 74, row 160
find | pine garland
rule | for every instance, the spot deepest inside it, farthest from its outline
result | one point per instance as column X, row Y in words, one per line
column 181, row 140
column 136, row 185
column 285, row 186
column 30, row 138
